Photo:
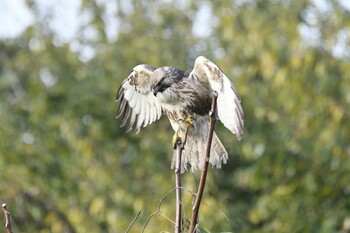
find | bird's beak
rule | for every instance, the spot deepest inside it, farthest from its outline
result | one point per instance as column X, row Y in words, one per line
column 156, row 90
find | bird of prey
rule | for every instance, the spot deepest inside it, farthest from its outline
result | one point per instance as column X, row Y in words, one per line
column 185, row 97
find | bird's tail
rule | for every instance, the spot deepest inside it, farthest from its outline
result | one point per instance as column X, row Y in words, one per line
column 193, row 155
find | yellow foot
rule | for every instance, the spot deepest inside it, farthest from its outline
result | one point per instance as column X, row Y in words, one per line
column 189, row 122
column 176, row 139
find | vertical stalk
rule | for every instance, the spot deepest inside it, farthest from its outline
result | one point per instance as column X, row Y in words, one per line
column 179, row 148
column 203, row 179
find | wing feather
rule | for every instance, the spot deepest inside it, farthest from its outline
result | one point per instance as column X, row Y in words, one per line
column 138, row 106
column 147, row 115
column 125, row 116
column 142, row 113
column 122, row 107
column 133, row 101
column 152, row 113
column 229, row 106
column 159, row 110
column 131, row 121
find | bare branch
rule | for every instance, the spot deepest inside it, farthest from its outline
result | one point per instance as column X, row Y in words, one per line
column 161, row 202
column 203, row 179
column 158, row 209
column 133, row 221
column 179, row 146
column 216, row 210
column 7, row 218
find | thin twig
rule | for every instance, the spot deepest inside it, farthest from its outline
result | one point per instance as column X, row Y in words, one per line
column 160, row 203
column 179, row 146
column 202, row 181
column 133, row 221
column 158, row 209
column 7, row 218
column 216, row 210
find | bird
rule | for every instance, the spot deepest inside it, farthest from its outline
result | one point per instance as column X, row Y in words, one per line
column 185, row 97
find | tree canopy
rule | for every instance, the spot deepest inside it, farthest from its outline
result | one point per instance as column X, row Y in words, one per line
column 66, row 166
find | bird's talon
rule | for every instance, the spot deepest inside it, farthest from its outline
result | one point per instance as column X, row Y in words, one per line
column 189, row 122
column 176, row 140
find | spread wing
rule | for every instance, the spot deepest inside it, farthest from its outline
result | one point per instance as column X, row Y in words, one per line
column 138, row 106
column 229, row 107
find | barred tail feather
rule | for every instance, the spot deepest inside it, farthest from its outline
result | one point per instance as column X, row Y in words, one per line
column 193, row 155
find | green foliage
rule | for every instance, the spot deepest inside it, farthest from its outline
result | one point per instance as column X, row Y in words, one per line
column 67, row 167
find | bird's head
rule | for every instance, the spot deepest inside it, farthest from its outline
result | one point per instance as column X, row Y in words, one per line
column 164, row 77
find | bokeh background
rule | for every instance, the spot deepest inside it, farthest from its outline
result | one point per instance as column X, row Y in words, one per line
column 66, row 166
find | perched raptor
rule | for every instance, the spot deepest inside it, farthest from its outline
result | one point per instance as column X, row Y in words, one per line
column 185, row 97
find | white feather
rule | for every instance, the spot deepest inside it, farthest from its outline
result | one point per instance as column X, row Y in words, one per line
column 146, row 122
column 129, row 92
column 141, row 116
column 137, row 108
column 135, row 92
column 229, row 106
column 152, row 112
column 134, row 100
column 132, row 121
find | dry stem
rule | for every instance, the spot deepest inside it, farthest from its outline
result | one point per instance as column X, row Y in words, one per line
column 202, row 181
column 133, row 221
column 7, row 217
column 179, row 146
column 179, row 149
